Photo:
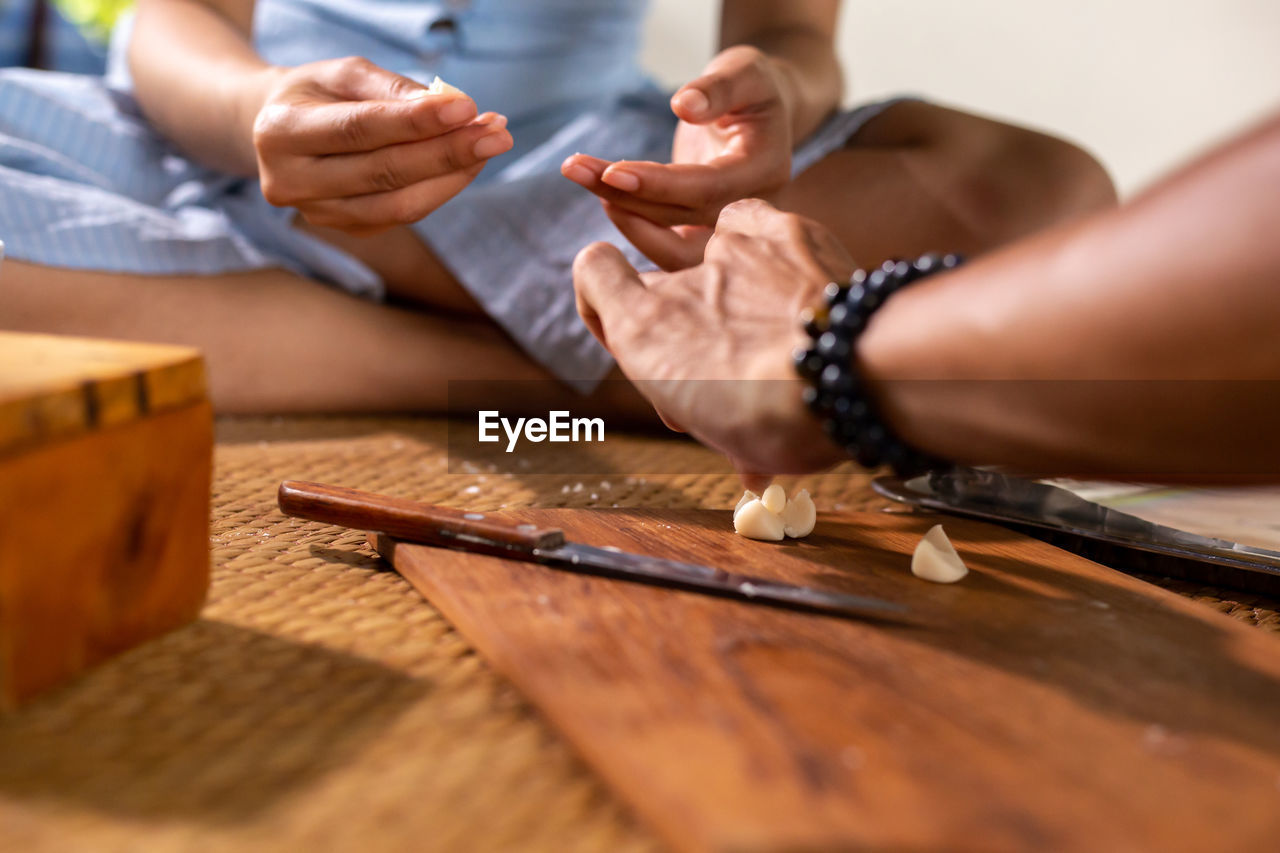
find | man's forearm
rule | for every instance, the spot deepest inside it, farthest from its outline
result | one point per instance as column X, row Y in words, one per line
column 1134, row 341
column 198, row 79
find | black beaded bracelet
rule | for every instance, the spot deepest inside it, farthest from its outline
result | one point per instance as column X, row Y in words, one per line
column 834, row 392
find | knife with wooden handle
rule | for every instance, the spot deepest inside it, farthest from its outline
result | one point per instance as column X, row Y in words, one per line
column 488, row 533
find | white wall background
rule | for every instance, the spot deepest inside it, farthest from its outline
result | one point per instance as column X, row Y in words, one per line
column 1143, row 84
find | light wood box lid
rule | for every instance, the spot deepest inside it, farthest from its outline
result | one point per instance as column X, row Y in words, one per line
column 53, row 386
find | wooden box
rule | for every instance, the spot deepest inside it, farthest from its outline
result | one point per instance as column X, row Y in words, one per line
column 106, row 454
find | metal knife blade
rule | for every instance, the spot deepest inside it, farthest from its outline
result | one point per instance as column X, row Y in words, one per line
column 657, row 570
column 984, row 493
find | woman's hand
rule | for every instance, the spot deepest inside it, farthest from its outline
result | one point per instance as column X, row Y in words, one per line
column 733, row 141
column 711, row 346
column 358, row 148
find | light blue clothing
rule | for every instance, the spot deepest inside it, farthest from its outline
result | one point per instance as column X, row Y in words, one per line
column 85, row 183
column 66, row 46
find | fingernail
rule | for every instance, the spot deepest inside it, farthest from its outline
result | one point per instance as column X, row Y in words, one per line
column 692, row 101
column 492, row 145
column 456, row 112
column 618, row 179
column 579, row 175
column 496, row 120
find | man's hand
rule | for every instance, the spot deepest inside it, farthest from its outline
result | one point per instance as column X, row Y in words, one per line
column 358, row 148
column 733, row 141
column 711, row 346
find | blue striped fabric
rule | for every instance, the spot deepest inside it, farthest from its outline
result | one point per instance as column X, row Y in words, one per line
column 86, row 184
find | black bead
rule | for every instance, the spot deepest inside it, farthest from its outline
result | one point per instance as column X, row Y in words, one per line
column 838, row 379
column 834, row 347
column 844, row 317
column 809, row 396
column 808, row 363
column 833, row 390
column 927, row 263
column 856, row 296
column 860, row 411
column 876, row 280
column 813, row 321
column 846, row 433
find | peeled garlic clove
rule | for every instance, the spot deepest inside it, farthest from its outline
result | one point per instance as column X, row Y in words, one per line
column 935, row 558
column 755, row 521
column 774, row 499
column 799, row 516
column 439, row 87
column 747, row 497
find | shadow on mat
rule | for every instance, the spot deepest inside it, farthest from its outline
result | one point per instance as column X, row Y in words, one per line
column 212, row 722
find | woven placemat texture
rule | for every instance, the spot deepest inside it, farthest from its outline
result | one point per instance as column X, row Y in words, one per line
column 320, row 703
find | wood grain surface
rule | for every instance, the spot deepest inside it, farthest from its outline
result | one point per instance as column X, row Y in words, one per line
column 104, row 543
column 54, row 386
column 1049, row 703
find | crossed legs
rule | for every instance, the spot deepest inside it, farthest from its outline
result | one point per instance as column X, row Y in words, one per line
column 916, row 178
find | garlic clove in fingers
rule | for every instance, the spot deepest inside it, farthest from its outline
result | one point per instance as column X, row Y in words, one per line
column 439, row 87
column 755, row 521
column 799, row 516
column 935, row 558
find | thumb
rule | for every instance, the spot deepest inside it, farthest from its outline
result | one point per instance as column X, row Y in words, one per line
column 361, row 80
column 733, row 81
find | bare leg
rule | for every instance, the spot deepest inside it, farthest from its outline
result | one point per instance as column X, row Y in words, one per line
column 920, row 178
column 275, row 342
column 410, row 270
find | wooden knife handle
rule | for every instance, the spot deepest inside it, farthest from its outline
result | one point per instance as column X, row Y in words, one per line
column 409, row 520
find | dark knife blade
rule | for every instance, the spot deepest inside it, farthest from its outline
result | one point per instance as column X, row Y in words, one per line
column 611, row 562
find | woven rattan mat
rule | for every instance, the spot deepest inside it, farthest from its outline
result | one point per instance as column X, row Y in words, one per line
column 320, row 703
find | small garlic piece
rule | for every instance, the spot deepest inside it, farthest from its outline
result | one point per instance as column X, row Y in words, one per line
column 439, row 87
column 755, row 521
column 747, row 497
column 774, row 499
column 799, row 516
column 935, row 558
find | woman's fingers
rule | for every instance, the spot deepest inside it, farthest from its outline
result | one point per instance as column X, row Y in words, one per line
column 350, row 126
column 369, row 214
column 586, row 172
column 705, row 187
column 670, row 248
column 388, row 168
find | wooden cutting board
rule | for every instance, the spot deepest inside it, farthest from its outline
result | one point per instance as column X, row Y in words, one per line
column 1049, row 703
